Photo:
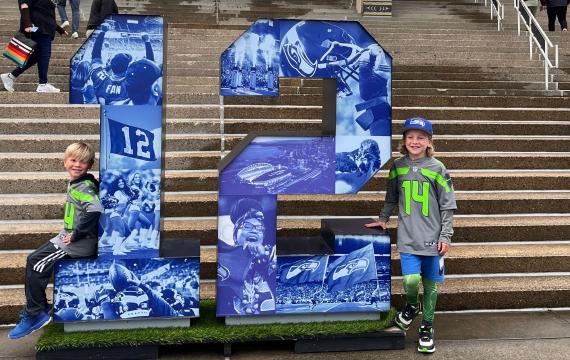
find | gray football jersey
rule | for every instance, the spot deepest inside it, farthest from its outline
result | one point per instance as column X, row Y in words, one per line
column 422, row 188
column 82, row 198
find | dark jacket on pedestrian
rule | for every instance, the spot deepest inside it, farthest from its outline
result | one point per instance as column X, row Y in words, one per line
column 40, row 13
column 100, row 9
column 554, row 3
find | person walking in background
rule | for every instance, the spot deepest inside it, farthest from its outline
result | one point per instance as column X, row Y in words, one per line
column 532, row 6
column 100, row 9
column 37, row 18
column 74, row 16
column 555, row 9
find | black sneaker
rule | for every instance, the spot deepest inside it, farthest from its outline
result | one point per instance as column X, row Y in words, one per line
column 426, row 343
column 403, row 319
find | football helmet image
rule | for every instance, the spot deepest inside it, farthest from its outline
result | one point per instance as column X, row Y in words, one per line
column 132, row 302
column 321, row 49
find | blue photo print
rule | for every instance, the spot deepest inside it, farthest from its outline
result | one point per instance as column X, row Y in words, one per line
column 282, row 165
column 246, row 255
column 129, row 226
column 126, row 289
column 120, row 63
column 337, row 283
column 131, row 137
column 358, row 158
column 250, row 66
column 347, row 52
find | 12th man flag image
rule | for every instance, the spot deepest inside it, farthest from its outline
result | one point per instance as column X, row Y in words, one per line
column 303, row 271
column 131, row 141
column 356, row 267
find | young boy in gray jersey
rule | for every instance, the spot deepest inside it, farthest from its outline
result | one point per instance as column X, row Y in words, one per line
column 78, row 238
column 421, row 187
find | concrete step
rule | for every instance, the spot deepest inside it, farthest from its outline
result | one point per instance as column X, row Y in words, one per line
column 188, row 204
column 207, row 180
column 463, row 293
column 212, row 142
column 467, row 259
column 30, row 234
column 475, row 94
column 199, row 160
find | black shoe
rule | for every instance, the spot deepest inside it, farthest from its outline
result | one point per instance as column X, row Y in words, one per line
column 403, row 319
column 426, row 343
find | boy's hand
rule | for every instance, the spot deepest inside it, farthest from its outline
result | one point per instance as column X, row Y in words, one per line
column 442, row 248
column 379, row 223
column 67, row 239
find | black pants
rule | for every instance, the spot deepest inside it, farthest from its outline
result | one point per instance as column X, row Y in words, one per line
column 39, row 269
column 556, row 12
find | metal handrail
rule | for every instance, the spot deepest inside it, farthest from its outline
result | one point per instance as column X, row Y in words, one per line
column 538, row 37
column 498, row 9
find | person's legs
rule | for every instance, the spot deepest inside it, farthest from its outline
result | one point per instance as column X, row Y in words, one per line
column 551, row 12
column 433, row 271
column 39, row 268
column 561, row 14
column 61, row 10
column 411, row 267
column 430, row 299
column 74, row 15
column 43, row 57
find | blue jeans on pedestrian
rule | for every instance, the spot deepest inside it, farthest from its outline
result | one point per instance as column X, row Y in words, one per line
column 41, row 56
column 74, row 13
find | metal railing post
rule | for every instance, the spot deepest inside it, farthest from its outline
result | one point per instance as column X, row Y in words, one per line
column 545, row 74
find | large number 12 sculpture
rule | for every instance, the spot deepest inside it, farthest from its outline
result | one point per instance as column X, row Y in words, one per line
column 354, row 143
column 120, row 67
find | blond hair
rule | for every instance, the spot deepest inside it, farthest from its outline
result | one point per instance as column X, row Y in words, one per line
column 80, row 151
column 429, row 151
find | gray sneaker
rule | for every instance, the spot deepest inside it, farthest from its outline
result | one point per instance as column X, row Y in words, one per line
column 8, row 81
column 47, row 88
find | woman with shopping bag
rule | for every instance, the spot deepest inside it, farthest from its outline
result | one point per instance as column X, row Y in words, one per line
column 37, row 20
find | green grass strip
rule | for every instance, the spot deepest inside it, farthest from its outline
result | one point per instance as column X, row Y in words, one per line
column 205, row 329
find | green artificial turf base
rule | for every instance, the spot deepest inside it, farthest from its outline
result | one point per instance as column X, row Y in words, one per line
column 205, row 329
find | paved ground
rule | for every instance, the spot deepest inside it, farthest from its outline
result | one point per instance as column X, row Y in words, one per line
column 515, row 335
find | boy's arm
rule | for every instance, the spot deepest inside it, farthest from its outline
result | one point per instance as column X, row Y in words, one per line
column 89, row 221
column 87, row 226
column 391, row 199
column 446, row 226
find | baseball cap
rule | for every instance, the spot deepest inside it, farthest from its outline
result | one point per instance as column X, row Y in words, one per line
column 418, row 123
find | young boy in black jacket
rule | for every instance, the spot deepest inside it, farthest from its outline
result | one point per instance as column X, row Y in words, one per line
column 78, row 238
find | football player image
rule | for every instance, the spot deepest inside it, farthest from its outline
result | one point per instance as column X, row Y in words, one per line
column 109, row 82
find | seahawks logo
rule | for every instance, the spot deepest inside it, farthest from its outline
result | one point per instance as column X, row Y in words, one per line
column 223, row 272
column 309, row 265
column 350, row 267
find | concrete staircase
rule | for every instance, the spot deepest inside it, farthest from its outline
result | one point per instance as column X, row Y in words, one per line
column 505, row 139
